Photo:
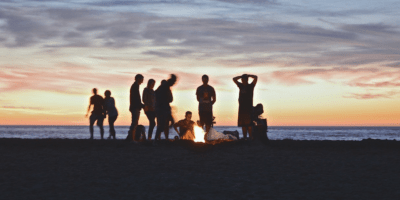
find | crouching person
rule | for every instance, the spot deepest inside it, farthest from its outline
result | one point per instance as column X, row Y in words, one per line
column 186, row 131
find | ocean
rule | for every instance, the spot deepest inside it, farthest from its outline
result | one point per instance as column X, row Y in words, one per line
column 274, row 132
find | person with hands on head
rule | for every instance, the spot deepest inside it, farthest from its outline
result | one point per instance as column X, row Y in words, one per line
column 246, row 92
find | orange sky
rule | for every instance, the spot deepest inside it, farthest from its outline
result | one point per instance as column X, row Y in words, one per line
column 318, row 63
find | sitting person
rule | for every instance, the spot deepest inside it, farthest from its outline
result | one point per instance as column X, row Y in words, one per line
column 186, row 131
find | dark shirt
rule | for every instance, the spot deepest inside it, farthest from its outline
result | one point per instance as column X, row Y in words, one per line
column 149, row 99
column 184, row 126
column 246, row 95
column 97, row 102
column 163, row 97
column 135, row 100
column 205, row 93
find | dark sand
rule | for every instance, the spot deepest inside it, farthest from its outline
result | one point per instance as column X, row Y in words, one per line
column 83, row 169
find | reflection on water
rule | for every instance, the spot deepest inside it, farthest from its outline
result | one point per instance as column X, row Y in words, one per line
column 275, row 133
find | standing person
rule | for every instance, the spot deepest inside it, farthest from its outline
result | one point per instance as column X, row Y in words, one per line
column 111, row 110
column 206, row 97
column 135, row 105
column 246, row 91
column 149, row 100
column 186, row 129
column 97, row 113
column 163, row 109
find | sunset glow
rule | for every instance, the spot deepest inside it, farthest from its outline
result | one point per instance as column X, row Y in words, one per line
column 318, row 64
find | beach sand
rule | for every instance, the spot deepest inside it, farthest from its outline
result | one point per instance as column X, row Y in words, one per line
column 84, row 169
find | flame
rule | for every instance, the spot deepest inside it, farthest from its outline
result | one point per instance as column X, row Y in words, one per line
column 199, row 134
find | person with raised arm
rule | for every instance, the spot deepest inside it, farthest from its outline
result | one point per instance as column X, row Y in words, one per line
column 97, row 114
column 149, row 100
column 206, row 97
column 111, row 111
column 163, row 109
column 246, row 92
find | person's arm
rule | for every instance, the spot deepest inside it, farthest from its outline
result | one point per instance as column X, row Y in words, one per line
column 214, row 97
column 198, row 95
column 236, row 80
column 255, row 78
column 87, row 113
column 90, row 104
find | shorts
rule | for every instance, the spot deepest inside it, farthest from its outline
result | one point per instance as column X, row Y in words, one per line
column 206, row 118
column 99, row 118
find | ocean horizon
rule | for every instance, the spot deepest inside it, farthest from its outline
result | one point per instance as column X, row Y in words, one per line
column 343, row 133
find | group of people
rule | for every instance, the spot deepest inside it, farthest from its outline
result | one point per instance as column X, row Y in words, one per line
column 156, row 106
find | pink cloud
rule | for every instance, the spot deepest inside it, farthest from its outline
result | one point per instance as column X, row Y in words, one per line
column 372, row 96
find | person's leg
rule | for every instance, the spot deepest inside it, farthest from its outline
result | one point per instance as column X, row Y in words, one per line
column 250, row 130
column 160, row 127
column 111, row 121
column 244, row 130
column 92, row 120
column 109, row 127
column 135, row 120
column 100, row 120
column 152, row 123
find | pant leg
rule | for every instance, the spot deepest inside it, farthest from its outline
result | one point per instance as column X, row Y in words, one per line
column 162, row 120
column 111, row 120
column 100, row 120
column 151, row 115
column 135, row 120
column 92, row 120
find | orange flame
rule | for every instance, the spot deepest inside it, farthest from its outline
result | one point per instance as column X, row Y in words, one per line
column 199, row 134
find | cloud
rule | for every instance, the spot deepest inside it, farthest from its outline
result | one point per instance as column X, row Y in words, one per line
column 367, row 96
column 65, row 78
column 260, row 2
column 305, row 76
column 253, row 42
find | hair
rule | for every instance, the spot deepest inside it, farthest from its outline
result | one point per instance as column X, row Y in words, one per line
column 245, row 76
column 171, row 81
column 94, row 90
column 138, row 77
column 188, row 112
column 204, row 76
column 151, row 81
column 107, row 93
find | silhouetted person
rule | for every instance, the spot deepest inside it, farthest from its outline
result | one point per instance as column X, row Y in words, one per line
column 206, row 97
column 246, row 91
column 163, row 109
column 135, row 105
column 111, row 111
column 149, row 100
column 97, row 114
column 186, row 131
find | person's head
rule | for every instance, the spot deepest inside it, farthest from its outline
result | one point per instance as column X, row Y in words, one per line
column 171, row 81
column 204, row 78
column 107, row 93
column 139, row 78
column 94, row 90
column 245, row 79
column 150, row 83
column 188, row 115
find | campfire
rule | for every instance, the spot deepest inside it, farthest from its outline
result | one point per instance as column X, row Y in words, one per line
column 199, row 134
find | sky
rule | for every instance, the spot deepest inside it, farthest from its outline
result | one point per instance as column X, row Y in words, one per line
column 319, row 63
